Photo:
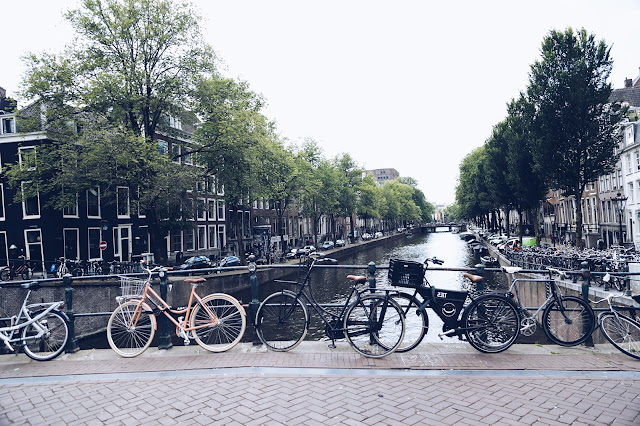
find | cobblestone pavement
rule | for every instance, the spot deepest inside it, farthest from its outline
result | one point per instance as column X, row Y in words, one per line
column 446, row 384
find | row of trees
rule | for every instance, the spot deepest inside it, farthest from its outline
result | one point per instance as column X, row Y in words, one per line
column 134, row 65
column 561, row 133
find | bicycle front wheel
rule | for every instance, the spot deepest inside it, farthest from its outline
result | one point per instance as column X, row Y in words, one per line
column 374, row 325
column 416, row 324
column 47, row 337
column 219, row 322
column 569, row 322
column 491, row 323
column 130, row 329
column 621, row 332
column 282, row 321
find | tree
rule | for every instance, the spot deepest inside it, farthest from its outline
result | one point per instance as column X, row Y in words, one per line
column 134, row 64
column 473, row 192
column 574, row 124
column 426, row 208
column 350, row 177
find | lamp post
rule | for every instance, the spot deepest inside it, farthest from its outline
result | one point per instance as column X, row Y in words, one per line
column 619, row 202
column 552, row 216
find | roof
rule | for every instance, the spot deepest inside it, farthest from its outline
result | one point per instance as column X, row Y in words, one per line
column 628, row 94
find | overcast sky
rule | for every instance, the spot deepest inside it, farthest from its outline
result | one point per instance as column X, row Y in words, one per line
column 412, row 85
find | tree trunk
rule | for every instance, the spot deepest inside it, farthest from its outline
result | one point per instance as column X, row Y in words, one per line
column 536, row 225
column 579, row 242
column 520, row 225
column 507, row 224
column 156, row 239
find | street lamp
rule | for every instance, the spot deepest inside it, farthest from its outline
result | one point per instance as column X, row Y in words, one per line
column 552, row 216
column 619, row 202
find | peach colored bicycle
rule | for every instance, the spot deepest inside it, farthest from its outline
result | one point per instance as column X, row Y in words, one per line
column 217, row 322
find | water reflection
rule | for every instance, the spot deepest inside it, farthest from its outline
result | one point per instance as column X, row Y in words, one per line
column 329, row 286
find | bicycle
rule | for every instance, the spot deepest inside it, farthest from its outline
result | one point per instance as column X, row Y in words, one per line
column 620, row 330
column 372, row 324
column 40, row 329
column 14, row 270
column 566, row 320
column 216, row 322
column 489, row 322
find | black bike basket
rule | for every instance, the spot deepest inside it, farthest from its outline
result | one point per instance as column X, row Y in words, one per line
column 405, row 273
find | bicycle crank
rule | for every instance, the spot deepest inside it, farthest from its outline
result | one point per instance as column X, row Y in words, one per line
column 528, row 326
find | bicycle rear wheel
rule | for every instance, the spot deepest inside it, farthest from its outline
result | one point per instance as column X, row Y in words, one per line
column 622, row 332
column 569, row 322
column 282, row 321
column 374, row 325
column 416, row 324
column 225, row 329
column 51, row 341
column 130, row 329
column 491, row 323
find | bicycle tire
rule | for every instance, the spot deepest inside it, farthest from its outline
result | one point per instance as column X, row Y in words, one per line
column 374, row 325
column 622, row 332
column 416, row 325
column 129, row 341
column 5, row 275
column 230, row 327
column 282, row 321
column 54, row 340
column 570, row 326
column 491, row 323
column 26, row 274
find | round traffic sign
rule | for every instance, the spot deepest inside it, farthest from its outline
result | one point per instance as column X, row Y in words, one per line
column 103, row 245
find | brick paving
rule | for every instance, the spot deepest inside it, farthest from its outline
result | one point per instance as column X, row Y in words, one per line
column 184, row 386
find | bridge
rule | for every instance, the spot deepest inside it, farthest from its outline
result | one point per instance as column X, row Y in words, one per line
column 434, row 227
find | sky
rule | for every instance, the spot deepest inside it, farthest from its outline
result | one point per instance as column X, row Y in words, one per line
column 406, row 84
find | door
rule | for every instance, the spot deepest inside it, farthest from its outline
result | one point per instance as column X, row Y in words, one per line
column 122, row 242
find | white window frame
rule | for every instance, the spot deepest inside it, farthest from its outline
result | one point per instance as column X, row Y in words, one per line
column 175, row 234
column 201, row 209
column 27, row 244
column 12, row 126
column 176, row 152
column 221, row 209
column 193, row 239
column 222, row 230
column 128, row 202
column 5, row 249
column 21, row 151
column 2, row 209
column 24, row 206
column 213, row 242
column 202, row 242
column 148, row 246
column 211, row 212
column 163, row 147
column 64, row 241
column 100, row 238
column 76, row 215
column 99, row 216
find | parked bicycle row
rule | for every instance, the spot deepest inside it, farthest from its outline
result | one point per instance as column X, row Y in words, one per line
column 375, row 322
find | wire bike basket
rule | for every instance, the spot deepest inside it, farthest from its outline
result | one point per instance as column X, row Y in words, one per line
column 405, row 273
column 131, row 287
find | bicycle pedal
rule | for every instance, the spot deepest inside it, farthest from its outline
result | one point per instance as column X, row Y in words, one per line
column 187, row 342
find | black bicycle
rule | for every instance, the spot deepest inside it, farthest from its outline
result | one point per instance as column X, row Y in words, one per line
column 489, row 322
column 372, row 323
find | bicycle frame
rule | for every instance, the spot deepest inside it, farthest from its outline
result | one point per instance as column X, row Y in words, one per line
column 149, row 295
column 553, row 294
column 24, row 319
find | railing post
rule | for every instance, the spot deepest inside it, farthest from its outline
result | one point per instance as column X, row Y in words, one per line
column 164, row 341
column 72, row 344
column 480, row 271
column 586, row 282
column 371, row 270
column 606, row 282
column 627, row 281
column 253, row 306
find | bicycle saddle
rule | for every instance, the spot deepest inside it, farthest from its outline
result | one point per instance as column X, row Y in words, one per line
column 474, row 278
column 195, row 280
column 357, row 278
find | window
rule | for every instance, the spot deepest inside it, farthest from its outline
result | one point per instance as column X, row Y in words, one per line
column 212, row 236
column 27, row 157
column 94, row 237
column 144, row 245
column 30, row 202
column 201, row 207
column 220, row 210
column 615, row 181
column 122, row 200
column 1, row 202
column 163, row 147
column 202, row 237
column 189, row 235
column 4, row 249
column 211, row 209
column 176, row 241
column 188, row 158
column 93, row 202
column 71, row 243
column 175, row 152
column 222, row 237
column 637, row 160
column 630, row 192
column 8, row 125
column 628, row 161
column 71, row 210
column 33, row 239
column 139, row 211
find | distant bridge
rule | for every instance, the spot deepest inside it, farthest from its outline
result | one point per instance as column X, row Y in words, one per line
column 440, row 227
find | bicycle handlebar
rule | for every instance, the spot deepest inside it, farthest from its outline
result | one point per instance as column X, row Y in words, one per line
column 433, row 260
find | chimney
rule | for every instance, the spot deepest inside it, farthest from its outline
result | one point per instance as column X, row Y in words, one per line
column 628, row 82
